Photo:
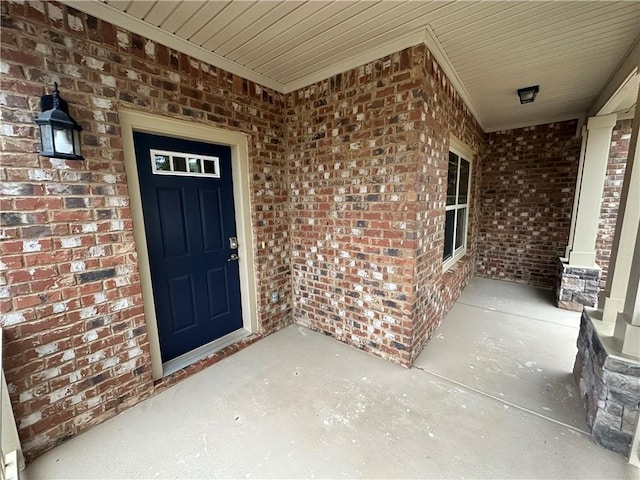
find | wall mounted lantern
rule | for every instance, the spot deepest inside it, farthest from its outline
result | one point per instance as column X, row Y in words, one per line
column 59, row 133
column 528, row 94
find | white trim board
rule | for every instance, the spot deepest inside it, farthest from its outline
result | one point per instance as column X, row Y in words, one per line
column 622, row 74
column 464, row 152
column 10, row 448
column 130, row 121
column 554, row 119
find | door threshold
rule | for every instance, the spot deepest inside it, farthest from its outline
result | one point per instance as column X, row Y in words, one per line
column 204, row 351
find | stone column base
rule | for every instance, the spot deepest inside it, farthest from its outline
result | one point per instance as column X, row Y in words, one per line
column 610, row 390
column 577, row 286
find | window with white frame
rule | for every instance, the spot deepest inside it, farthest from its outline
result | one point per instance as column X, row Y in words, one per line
column 175, row 163
column 457, row 208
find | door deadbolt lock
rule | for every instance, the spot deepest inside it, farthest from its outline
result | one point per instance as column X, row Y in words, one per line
column 233, row 257
column 233, row 243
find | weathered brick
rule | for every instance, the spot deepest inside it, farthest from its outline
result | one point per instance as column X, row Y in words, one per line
column 528, row 184
column 616, row 165
column 357, row 206
column 67, row 227
column 347, row 208
column 7, row 188
column 95, row 275
column 13, row 218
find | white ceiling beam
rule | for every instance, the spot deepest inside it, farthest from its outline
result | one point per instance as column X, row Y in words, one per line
column 527, row 123
column 625, row 70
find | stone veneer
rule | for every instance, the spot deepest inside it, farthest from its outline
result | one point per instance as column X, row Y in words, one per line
column 610, row 390
column 577, row 286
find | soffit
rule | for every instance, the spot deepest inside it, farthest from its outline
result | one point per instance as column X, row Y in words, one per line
column 488, row 49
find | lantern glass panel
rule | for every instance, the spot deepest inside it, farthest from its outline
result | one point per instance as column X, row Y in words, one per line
column 527, row 96
column 46, row 138
column 63, row 140
column 76, row 142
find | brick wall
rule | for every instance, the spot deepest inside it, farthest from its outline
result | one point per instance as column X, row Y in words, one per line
column 618, row 153
column 368, row 163
column 353, row 194
column 444, row 113
column 348, row 180
column 77, row 350
column 528, row 184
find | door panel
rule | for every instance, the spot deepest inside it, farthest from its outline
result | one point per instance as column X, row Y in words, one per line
column 211, row 229
column 217, row 285
column 188, row 221
column 183, row 302
column 172, row 222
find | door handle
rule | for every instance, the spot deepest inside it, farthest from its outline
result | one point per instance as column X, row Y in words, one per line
column 233, row 257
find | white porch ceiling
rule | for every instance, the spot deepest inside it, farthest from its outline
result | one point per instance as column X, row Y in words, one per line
column 488, row 49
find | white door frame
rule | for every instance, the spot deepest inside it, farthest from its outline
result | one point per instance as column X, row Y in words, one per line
column 130, row 121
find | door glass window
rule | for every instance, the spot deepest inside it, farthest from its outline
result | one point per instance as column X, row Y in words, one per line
column 176, row 163
column 194, row 165
column 162, row 163
column 179, row 164
column 210, row 166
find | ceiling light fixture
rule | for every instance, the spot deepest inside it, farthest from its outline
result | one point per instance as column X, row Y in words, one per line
column 528, row 94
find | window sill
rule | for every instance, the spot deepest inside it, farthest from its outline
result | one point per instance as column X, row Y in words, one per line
column 453, row 261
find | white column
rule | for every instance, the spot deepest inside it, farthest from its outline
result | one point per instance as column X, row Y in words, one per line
column 627, row 330
column 583, row 147
column 9, row 440
column 634, row 455
column 596, row 156
column 613, row 298
column 624, row 280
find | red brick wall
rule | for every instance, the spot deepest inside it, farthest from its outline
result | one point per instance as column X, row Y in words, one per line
column 368, row 162
column 348, row 180
column 618, row 153
column 528, row 184
column 76, row 347
column 444, row 113
column 353, row 177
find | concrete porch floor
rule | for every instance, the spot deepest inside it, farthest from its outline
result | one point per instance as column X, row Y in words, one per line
column 491, row 397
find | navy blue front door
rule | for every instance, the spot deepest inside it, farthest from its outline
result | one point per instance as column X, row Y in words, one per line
column 189, row 219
